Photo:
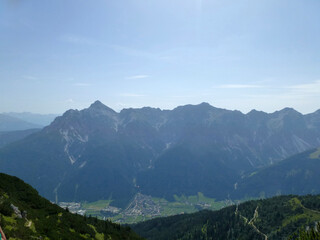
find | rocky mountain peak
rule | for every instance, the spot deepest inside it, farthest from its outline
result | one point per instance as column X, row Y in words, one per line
column 288, row 111
column 257, row 115
column 97, row 105
column 98, row 108
column 205, row 104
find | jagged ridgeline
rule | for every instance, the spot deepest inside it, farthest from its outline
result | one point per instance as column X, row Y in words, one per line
column 99, row 154
column 25, row 215
column 272, row 219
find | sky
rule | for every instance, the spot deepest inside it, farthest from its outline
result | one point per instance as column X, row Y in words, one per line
column 234, row 54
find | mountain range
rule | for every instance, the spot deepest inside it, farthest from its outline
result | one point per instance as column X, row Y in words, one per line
column 35, row 118
column 97, row 153
column 9, row 123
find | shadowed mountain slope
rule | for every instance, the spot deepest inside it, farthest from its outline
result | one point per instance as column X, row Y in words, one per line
column 97, row 153
column 298, row 174
column 13, row 136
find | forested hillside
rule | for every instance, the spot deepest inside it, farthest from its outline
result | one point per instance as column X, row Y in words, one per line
column 273, row 219
column 25, row 215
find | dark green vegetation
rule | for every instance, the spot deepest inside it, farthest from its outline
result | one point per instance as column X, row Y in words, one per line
column 275, row 218
column 298, row 174
column 37, row 218
column 99, row 154
column 309, row 234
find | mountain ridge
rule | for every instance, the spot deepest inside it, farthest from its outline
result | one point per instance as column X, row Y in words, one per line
column 35, row 118
column 135, row 145
column 9, row 123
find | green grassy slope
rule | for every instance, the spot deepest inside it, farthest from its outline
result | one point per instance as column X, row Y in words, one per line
column 37, row 218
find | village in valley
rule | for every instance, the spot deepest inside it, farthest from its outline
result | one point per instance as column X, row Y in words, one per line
column 143, row 207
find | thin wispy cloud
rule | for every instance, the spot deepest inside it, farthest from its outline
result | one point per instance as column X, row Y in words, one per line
column 138, row 77
column 131, row 95
column 292, row 91
column 239, row 86
column 73, row 39
column 70, row 100
column 183, row 96
column 133, row 52
column 30, row 77
column 82, row 84
column 303, row 97
column 311, row 88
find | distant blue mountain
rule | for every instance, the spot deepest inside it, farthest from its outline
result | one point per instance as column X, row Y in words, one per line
column 39, row 119
column 9, row 123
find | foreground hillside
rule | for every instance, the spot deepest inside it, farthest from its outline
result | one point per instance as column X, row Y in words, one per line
column 25, row 215
column 275, row 218
column 99, row 154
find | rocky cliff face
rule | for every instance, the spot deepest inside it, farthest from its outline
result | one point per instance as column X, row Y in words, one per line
column 97, row 153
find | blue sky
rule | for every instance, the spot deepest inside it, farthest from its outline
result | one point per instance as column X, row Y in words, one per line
column 234, row 54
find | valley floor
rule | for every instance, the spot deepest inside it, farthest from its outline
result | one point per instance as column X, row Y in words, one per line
column 144, row 207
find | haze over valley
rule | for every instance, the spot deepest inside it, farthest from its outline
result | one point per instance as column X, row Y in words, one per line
column 173, row 120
